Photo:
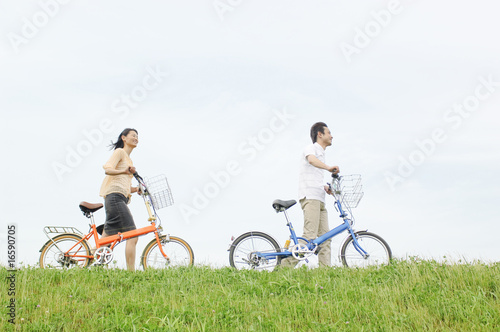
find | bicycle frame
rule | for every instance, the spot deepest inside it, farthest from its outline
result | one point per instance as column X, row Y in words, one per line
column 114, row 240
column 313, row 244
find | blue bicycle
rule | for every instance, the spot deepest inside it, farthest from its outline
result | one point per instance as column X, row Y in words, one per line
column 260, row 251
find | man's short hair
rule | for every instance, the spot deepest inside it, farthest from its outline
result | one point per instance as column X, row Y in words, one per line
column 318, row 127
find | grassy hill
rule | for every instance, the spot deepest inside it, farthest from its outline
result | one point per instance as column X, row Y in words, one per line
column 409, row 295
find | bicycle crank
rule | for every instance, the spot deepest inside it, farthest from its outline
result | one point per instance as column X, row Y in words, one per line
column 301, row 252
column 103, row 256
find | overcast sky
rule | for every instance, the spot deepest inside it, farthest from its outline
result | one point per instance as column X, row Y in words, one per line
column 223, row 94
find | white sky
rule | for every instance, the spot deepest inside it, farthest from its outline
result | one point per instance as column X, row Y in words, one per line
column 65, row 67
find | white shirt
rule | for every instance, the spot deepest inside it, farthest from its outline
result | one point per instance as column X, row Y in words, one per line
column 311, row 179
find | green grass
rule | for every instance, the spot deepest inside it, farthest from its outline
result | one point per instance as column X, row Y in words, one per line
column 409, row 295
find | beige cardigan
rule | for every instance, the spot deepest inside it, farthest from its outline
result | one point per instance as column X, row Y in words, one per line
column 120, row 183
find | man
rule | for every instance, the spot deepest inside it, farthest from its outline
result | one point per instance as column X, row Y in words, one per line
column 312, row 190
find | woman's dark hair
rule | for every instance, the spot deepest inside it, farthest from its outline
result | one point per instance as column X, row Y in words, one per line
column 318, row 127
column 119, row 142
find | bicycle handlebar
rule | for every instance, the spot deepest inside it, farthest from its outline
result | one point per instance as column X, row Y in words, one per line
column 137, row 176
column 335, row 177
column 142, row 185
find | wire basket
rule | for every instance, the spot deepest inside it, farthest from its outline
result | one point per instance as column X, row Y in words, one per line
column 350, row 190
column 159, row 191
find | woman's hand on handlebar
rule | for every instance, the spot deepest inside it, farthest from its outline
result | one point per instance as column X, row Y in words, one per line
column 131, row 170
column 137, row 190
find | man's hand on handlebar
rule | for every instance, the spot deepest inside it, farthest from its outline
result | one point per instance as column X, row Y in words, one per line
column 334, row 170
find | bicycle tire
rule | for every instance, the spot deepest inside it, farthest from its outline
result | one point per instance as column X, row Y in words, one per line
column 240, row 252
column 178, row 251
column 379, row 252
column 52, row 252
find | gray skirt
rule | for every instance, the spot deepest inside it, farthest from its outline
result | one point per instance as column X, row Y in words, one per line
column 118, row 216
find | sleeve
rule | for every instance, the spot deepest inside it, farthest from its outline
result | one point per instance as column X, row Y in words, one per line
column 309, row 150
column 113, row 160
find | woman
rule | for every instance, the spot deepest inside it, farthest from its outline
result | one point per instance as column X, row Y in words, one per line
column 116, row 190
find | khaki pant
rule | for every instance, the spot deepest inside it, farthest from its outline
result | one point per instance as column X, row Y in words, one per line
column 315, row 224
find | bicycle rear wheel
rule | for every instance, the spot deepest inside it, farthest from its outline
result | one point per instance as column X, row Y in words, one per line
column 378, row 251
column 243, row 254
column 179, row 253
column 65, row 251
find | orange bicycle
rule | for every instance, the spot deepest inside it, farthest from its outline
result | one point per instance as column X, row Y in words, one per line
column 70, row 247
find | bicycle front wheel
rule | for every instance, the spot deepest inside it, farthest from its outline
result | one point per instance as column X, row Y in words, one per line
column 178, row 251
column 378, row 251
column 65, row 251
column 245, row 252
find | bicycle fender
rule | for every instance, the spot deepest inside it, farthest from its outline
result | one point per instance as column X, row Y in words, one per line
column 346, row 239
column 244, row 234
